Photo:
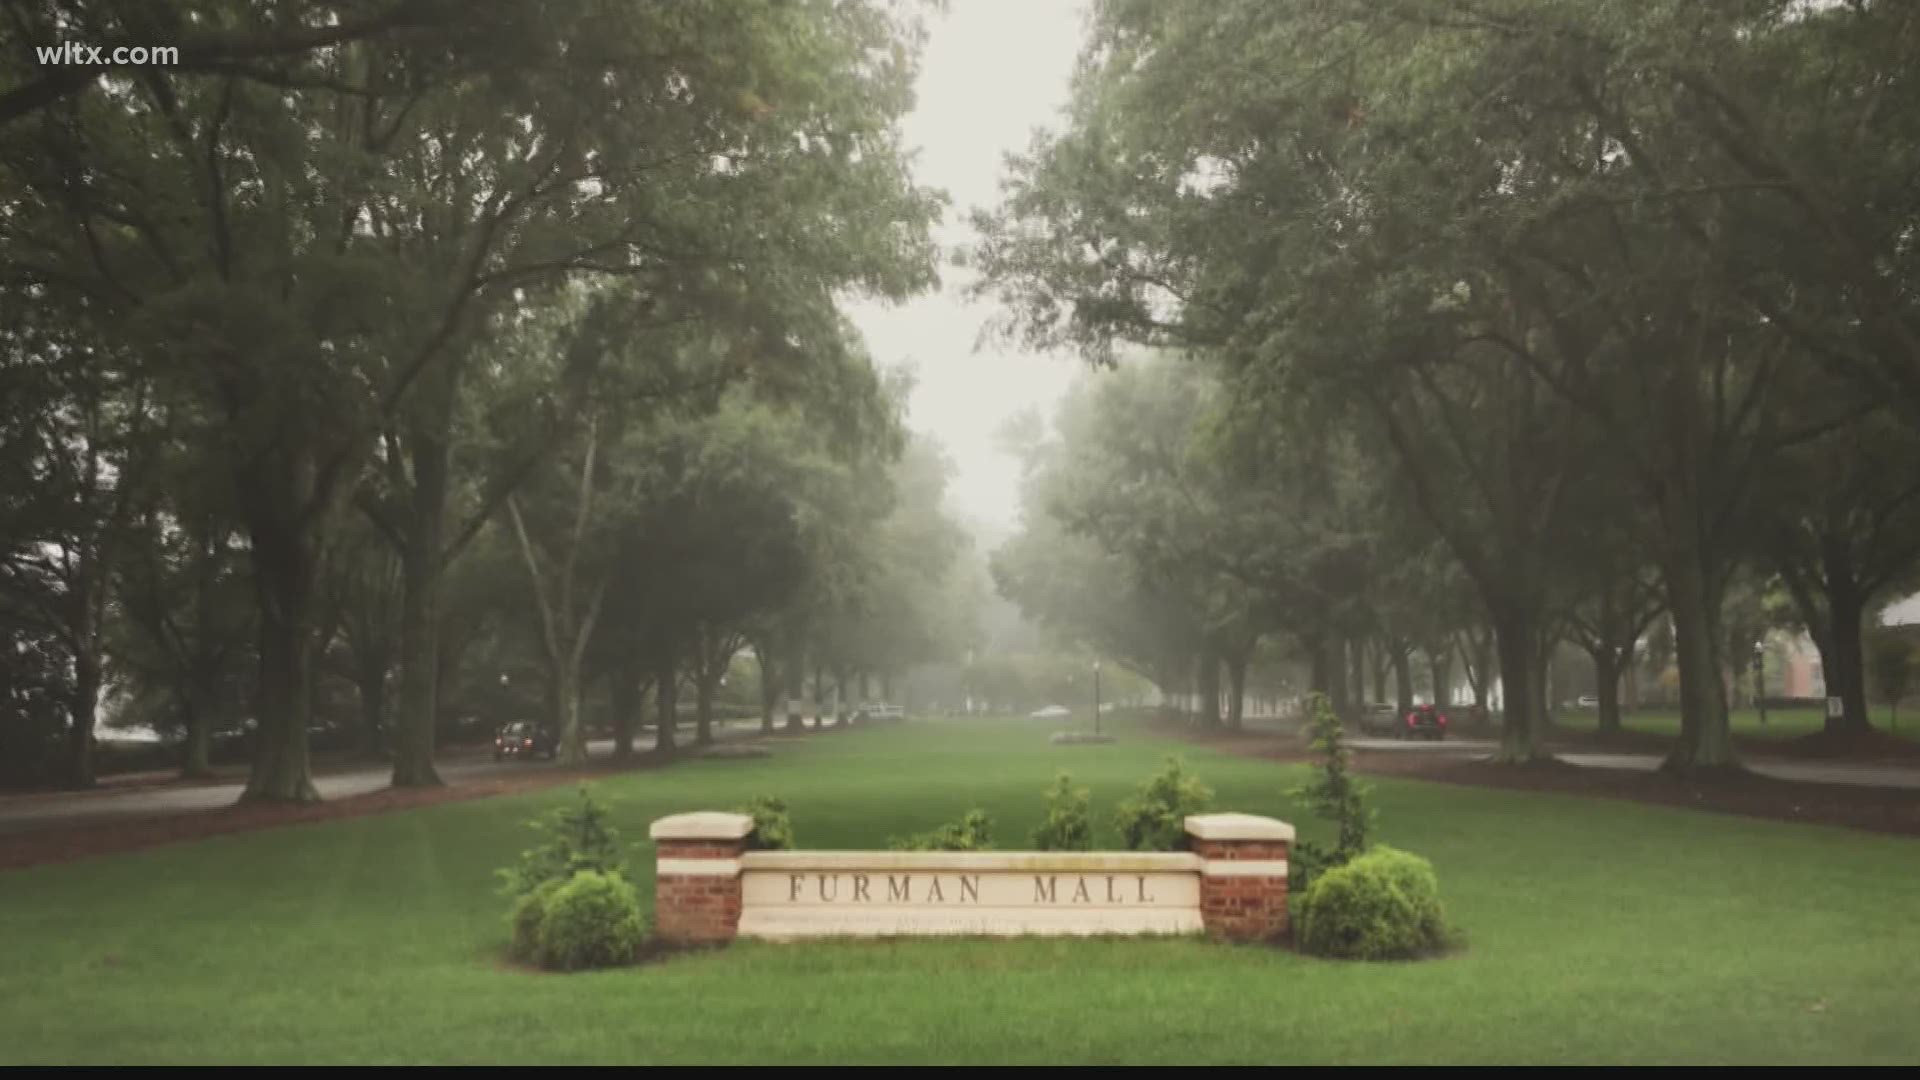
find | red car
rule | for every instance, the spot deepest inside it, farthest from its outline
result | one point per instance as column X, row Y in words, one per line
column 1424, row 722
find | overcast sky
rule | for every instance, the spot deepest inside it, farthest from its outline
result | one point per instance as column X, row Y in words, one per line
column 993, row 71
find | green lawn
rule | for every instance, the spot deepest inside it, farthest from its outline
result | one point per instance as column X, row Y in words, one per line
column 1780, row 723
column 1597, row 931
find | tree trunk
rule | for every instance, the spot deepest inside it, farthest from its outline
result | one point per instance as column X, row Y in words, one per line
column 1382, row 663
column 372, row 684
column 1403, row 677
column 566, row 694
column 1542, row 683
column 1843, row 660
column 281, row 770
column 1318, row 679
column 666, row 691
column 839, row 697
column 1209, row 690
column 84, row 710
column 1442, row 675
column 286, row 568
column 1518, row 646
column 1236, row 690
column 1357, row 673
column 422, row 567
column 769, row 687
column 1479, row 666
column 796, row 692
column 1705, row 742
column 1340, row 697
column 202, row 692
column 1606, row 681
column 703, row 689
column 420, row 575
column 623, row 694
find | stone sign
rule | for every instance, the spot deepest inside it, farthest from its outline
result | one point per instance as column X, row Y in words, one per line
column 871, row 894
column 710, row 888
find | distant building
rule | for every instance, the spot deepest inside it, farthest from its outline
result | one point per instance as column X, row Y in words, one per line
column 1801, row 675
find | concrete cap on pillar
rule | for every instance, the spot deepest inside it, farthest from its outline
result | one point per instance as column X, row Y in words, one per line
column 704, row 825
column 1237, row 827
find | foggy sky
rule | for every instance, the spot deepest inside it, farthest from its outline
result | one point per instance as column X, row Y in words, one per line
column 993, row 70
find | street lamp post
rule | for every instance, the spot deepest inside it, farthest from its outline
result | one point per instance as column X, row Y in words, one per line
column 1760, row 680
column 1096, row 697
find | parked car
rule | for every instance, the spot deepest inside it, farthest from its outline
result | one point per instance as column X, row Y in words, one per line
column 1588, row 701
column 1051, row 712
column 877, row 712
column 1424, row 722
column 525, row 739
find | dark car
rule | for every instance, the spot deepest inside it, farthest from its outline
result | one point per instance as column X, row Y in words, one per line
column 524, row 739
column 1424, row 722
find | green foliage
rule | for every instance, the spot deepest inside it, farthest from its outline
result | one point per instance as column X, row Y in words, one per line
column 1155, row 818
column 1334, row 795
column 1069, row 822
column 528, row 912
column 772, row 829
column 1384, row 905
column 592, row 921
column 972, row 832
column 578, row 838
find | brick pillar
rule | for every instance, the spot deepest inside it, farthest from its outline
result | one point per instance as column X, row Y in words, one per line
column 1243, row 883
column 696, row 883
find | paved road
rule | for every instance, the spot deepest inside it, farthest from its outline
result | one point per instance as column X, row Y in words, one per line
column 22, row 813
column 1811, row 772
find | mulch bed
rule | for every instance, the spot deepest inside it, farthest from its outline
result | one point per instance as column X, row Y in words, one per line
column 1878, row 809
column 1872, row 745
column 68, row 843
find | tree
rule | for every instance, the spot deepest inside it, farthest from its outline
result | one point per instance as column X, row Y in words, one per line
column 1843, row 532
column 1494, row 232
column 184, row 615
column 311, row 242
column 80, row 463
column 1893, row 659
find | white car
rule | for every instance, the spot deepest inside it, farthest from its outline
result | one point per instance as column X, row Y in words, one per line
column 1051, row 712
column 1588, row 701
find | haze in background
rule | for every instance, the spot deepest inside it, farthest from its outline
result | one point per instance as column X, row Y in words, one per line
column 993, row 71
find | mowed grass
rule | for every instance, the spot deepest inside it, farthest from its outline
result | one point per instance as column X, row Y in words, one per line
column 1780, row 723
column 1595, row 932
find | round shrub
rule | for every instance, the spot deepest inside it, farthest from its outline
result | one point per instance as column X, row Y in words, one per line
column 1383, row 905
column 593, row 920
column 529, row 911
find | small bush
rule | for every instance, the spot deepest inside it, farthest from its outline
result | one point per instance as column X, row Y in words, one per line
column 973, row 832
column 578, row 838
column 529, row 911
column 1155, row 818
column 772, row 829
column 1383, row 905
column 1069, row 822
column 592, row 921
column 1333, row 795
